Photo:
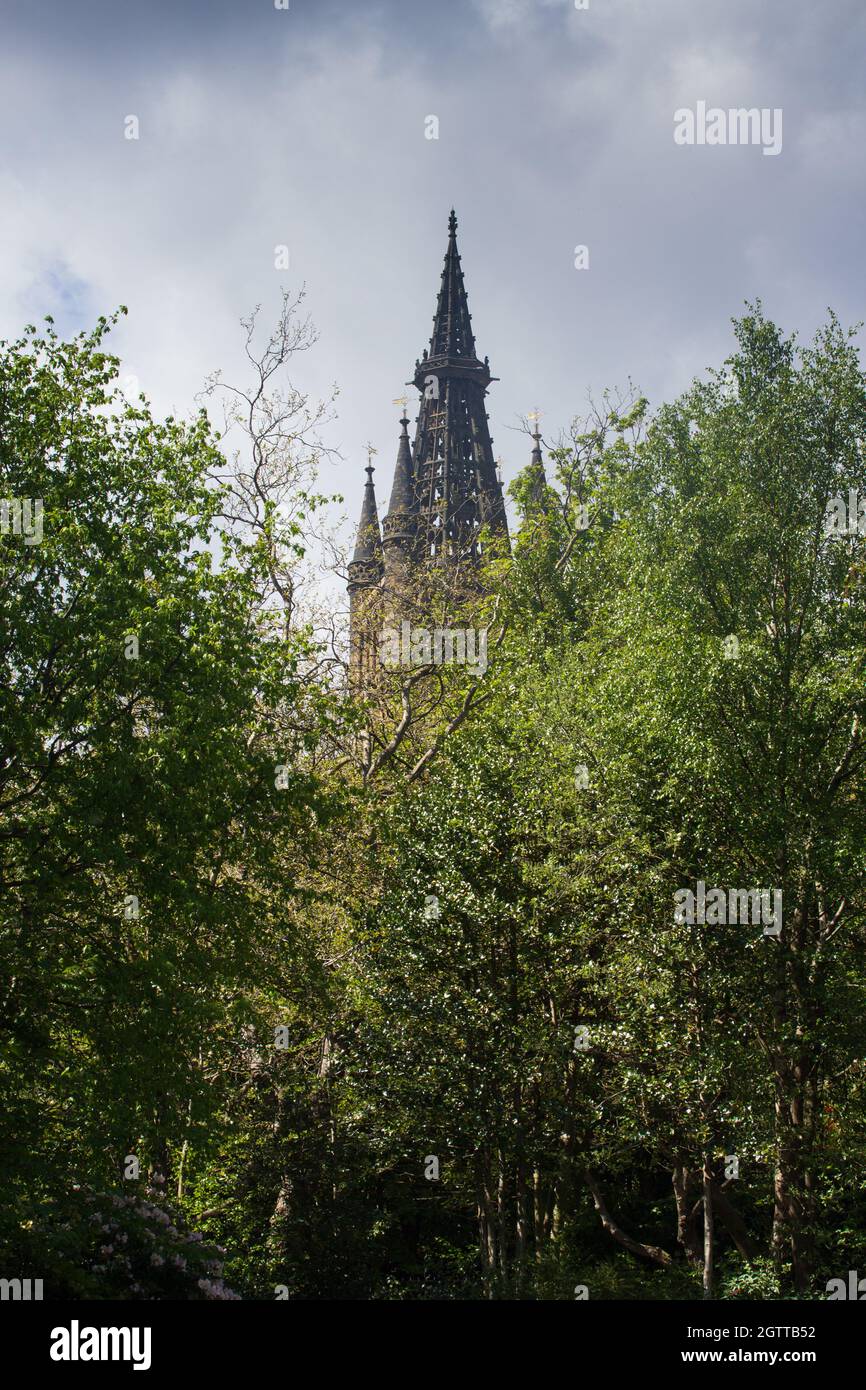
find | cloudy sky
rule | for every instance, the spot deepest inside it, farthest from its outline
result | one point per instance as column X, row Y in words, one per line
column 305, row 127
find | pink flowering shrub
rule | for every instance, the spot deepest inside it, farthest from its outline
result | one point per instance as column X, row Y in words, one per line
column 125, row 1246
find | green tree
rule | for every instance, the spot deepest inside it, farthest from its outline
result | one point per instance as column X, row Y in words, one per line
column 154, row 731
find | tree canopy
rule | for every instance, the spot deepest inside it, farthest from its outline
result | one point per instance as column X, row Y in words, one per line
column 414, row 1013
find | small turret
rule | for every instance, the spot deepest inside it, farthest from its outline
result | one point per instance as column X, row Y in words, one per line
column 400, row 524
column 537, row 496
column 365, row 567
column 365, row 573
column 400, row 527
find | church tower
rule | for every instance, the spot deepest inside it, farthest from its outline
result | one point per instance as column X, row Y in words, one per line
column 445, row 492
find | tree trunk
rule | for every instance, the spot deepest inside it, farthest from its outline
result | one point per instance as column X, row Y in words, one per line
column 637, row 1247
column 796, row 1087
column 708, row 1229
column 687, row 1232
column 734, row 1225
column 486, row 1225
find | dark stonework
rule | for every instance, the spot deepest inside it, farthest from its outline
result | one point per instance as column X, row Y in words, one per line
column 445, row 487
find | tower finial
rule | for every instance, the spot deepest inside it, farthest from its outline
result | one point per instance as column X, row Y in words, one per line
column 535, row 415
column 452, row 222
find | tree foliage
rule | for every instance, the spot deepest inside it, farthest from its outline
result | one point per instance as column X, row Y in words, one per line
column 429, row 1025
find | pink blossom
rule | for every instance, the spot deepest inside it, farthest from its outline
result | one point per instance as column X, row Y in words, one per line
column 216, row 1289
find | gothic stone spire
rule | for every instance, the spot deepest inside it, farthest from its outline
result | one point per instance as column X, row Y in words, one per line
column 401, row 522
column 365, row 573
column 455, row 483
column 538, row 495
column 365, row 566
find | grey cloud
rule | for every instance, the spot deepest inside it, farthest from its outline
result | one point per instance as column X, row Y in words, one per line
column 306, row 128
